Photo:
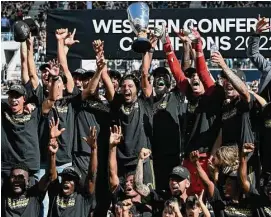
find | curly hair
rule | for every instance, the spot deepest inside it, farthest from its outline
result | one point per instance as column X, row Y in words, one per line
column 21, row 166
column 228, row 157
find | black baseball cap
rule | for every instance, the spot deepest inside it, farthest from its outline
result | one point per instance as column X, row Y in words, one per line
column 237, row 72
column 44, row 66
column 190, row 71
column 78, row 71
column 88, row 74
column 181, row 172
column 17, row 88
column 71, row 171
column 162, row 71
column 21, row 31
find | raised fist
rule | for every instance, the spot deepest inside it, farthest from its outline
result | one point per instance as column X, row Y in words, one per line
column 144, row 153
column 194, row 156
column 61, row 34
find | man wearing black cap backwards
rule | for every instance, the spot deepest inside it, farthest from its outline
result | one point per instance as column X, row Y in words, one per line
column 19, row 134
column 179, row 182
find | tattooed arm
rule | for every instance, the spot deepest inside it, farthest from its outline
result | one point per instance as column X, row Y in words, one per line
column 140, row 187
column 91, row 140
column 236, row 82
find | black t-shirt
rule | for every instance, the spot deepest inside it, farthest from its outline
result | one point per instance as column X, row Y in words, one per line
column 27, row 205
column 77, row 204
column 19, row 138
column 202, row 120
column 167, row 123
column 236, row 125
column 64, row 110
column 136, row 124
column 139, row 209
column 224, row 208
column 260, row 203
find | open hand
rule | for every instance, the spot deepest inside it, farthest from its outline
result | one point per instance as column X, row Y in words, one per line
column 54, row 67
column 54, row 131
column 200, row 197
column 61, row 34
column 261, row 25
column 69, row 40
column 115, row 135
column 91, row 140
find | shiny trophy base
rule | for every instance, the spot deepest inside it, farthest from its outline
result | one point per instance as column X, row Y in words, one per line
column 141, row 45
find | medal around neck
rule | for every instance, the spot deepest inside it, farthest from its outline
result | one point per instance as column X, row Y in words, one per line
column 138, row 16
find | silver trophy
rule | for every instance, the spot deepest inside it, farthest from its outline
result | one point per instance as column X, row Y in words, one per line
column 138, row 16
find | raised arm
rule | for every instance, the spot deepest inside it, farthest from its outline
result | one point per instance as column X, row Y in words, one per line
column 194, row 158
column 260, row 99
column 114, row 140
column 236, row 82
column 51, row 174
column 91, row 140
column 204, row 209
column 94, row 82
column 253, row 53
column 24, row 67
column 49, row 102
column 246, row 149
column 145, row 83
column 32, row 71
column 201, row 66
column 98, row 47
column 61, row 34
column 174, row 65
column 140, row 187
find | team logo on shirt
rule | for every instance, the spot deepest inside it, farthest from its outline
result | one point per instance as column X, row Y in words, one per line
column 238, row 212
column 18, row 120
column 192, row 107
column 62, row 109
column 17, row 203
column 267, row 210
column 229, row 114
column 64, row 203
column 128, row 110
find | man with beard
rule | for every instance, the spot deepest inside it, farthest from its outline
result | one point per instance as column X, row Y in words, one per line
column 264, row 66
column 93, row 112
column 134, row 112
column 66, row 197
column 201, row 122
column 260, row 202
column 126, row 190
column 179, row 182
column 19, row 134
column 167, row 121
column 19, row 198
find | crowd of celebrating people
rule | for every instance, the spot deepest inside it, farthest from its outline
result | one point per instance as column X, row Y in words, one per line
column 173, row 143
